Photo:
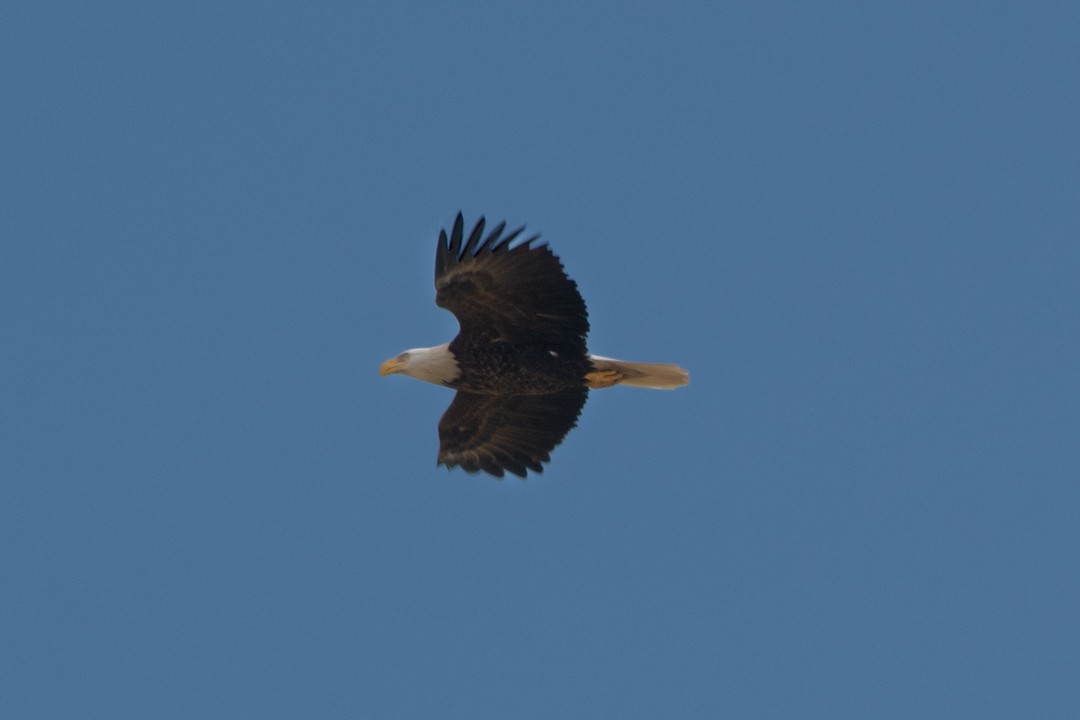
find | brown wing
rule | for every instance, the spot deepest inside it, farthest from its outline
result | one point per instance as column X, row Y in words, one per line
column 504, row 293
column 497, row 433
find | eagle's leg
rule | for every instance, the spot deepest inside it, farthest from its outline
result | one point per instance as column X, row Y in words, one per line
column 603, row 378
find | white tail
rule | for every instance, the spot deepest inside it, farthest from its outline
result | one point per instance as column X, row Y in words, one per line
column 661, row 376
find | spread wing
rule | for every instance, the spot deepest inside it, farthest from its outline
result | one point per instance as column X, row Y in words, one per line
column 497, row 433
column 504, row 293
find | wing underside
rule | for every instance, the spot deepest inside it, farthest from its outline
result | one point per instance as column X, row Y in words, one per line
column 506, row 433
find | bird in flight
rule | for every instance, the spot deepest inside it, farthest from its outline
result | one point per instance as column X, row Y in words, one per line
column 519, row 363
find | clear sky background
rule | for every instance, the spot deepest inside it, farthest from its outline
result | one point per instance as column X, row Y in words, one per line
column 857, row 224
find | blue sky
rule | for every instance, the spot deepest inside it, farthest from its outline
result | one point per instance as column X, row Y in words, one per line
column 857, row 224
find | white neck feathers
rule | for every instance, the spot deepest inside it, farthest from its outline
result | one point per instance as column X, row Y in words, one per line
column 433, row 364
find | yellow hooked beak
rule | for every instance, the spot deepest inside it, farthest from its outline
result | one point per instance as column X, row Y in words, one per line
column 391, row 366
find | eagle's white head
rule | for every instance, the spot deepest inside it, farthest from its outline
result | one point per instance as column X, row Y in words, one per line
column 434, row 364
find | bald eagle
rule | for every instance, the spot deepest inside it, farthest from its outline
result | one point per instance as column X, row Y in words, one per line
column 519, row 363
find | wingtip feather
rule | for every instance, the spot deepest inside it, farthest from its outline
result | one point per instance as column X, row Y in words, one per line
column 454, row 248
